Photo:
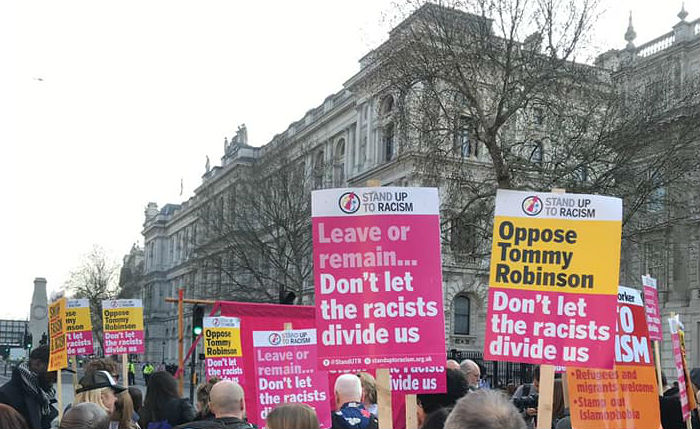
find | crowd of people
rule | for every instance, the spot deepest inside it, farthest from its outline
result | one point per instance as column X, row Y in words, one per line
column 27, row 401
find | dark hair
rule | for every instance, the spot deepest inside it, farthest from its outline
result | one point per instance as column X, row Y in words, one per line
column 103, row 364
column 664, row 381
column 136, row 397
column 536, row 373
column 161, row 388
column 292, row 416
column 436, row 419
column 40, row 353
column 11, row 419
column 457, row 387
column 203, row 391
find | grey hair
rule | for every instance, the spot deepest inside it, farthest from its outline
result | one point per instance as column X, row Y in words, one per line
column 86, row 415
column 484, row 409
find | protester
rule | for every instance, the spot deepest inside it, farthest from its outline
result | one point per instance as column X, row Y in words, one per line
column 103, row 364
column 99, row 388
column 136, row 399
column 436, row 419
column 292, row 416
column 472, row 372
column 484, row 409
column 11, row 419
column 695, row 379
column 85, row 415
column 369, row 392
column 452, row 364
column 559, row 410
column 526, row 398
column 227, row 403
column 30, row 390
column 428, row 403
column 163, row 405
column 124, row 412
column 203, row 390
column 350, row 413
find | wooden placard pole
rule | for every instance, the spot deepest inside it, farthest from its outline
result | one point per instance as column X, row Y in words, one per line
column 180, row 341
column 125, row 370
column 546, row 389
column 657, row 364
column 383, row 381
column 565, row 389
column 411, row 410
column 74, row 366
column 59, row 393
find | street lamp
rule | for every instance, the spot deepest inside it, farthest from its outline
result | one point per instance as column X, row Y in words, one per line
column 163, row 360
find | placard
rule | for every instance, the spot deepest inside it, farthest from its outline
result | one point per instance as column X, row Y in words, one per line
column 676, row 329
column 378, row 278
column 222, row 348
column 78, row 328
column 627, row 396
column 58, row 357
column 285, row 370
column 553, row 280
column 122, row 324
column 651, row 305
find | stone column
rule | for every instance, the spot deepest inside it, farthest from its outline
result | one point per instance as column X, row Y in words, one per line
column 39, row 320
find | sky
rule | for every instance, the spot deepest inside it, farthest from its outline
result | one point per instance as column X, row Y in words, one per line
column 107, row 105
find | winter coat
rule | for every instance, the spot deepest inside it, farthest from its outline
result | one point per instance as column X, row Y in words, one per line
column 15, row 394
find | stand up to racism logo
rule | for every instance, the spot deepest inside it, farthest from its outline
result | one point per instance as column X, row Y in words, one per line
column 532, row 205
column 349, row 202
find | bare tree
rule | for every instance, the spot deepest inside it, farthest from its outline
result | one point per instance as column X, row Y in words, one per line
column 253, row 238
column 95, row 280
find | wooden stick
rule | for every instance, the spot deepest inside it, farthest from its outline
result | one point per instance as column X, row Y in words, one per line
column 180, row 341
column 657, row 363
column 59, row 391
column 411, row 410
column 125, row 370
column 546, row 389
column 74, row 365
column 384, row 398
column 192, row 301
column 565, row 389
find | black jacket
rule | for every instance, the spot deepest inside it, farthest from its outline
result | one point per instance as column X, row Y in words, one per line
column 671, row 411
column 222, row 423
column 15, row 394
column 175, row 410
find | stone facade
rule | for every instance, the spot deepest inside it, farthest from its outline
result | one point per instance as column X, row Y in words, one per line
column 349, row 140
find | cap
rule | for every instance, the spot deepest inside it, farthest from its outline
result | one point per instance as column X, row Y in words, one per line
column 99, row 380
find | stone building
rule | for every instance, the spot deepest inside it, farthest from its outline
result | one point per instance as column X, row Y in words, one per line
column 353, row 139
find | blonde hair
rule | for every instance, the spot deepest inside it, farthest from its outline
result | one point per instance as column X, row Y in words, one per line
column 94, row 396
column 292, row 416
column 369, row 387
column 124, row 410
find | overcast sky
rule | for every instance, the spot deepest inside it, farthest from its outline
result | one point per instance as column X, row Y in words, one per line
column 106, row 106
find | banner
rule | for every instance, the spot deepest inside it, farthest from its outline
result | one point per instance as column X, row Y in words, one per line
column 78, row 328
column 651, row 304
column 285, row 370
column 58, row 357
column 555, row 263
column 626, row 397
column 122, row 324
column 222, row 348
column 677, row 334
column 378, row 277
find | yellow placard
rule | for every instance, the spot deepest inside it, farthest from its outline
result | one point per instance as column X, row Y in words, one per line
column 555, row 255
column 58, row 357
column 222, row 342
column 78, row 319
column 122, row 319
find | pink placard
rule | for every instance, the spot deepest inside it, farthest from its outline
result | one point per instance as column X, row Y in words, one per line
column 124, row 342
column 536, row 336
column 378, row 278
column 79, row 343
column 229, row 368
column 651, row 306
column 285, row 372
column 678, row 360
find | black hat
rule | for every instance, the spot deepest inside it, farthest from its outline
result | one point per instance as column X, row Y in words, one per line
column 99, row 380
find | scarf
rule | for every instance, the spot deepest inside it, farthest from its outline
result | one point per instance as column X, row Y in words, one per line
column 31, row 385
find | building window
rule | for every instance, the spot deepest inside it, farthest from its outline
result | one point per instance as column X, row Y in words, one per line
column 386, row 106
column 462, row 236
column 655, row 262
column 363, row 150
column 656, row 202
column 339, row 163
column 538, row 115
column 462, row 315
column 537, row 154
column 318, row 170
column 464, row 143
column 388, row 138
column 581, row 174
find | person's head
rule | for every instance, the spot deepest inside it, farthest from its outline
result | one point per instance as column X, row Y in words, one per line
column 85, row 416
column 136, row 398
column 536, row 377
column 203, row 391
column 39, row 360
column 123, row 410
column 430, row 402
column 226, row 399
column 348, row 388
column 695, row 378
column 292, row 416
column 436, row 419
column 11, row 419
column 452, row 364
column 472, row 371
column 369, row 388
column 103, row 364
column 484, row 409
column 99, row 388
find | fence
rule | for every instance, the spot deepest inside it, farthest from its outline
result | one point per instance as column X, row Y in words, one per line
column 497, row 374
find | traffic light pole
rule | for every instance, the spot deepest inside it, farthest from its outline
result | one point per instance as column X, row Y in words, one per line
column 192, row 368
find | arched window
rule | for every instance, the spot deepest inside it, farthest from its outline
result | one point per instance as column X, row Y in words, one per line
column 462, row 314
column 388, row 140
column 386, row 106
column 318, row 170
column 339, row 163
column 537, row 153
